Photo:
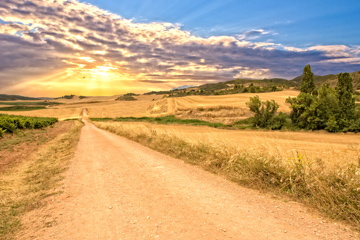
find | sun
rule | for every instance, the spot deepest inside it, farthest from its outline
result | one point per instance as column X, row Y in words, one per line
column 103, row 73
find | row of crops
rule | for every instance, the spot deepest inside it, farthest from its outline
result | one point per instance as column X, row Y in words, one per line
column 13, row 123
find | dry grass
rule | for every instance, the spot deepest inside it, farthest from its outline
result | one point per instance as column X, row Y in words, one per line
column 226, row 109
column 328, row 178
column 24, row 186
column 98, row 107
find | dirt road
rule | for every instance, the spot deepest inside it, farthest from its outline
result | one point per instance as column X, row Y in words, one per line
column 118, row 189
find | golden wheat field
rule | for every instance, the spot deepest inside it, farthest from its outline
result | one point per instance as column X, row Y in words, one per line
column 225, row 109
column 97, row 107
column 334, row 149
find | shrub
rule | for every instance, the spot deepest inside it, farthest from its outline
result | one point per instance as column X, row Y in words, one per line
column 278, row 121
column 264, row 111
column 12, row 123
column 2, row 132
column 126, row 98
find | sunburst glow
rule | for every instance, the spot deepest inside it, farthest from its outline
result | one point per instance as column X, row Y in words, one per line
column 50, row 48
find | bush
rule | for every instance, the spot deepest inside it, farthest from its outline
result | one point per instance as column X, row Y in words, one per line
column 278, row 121
column 2, row 132
column 264, row 111
column 126, row 98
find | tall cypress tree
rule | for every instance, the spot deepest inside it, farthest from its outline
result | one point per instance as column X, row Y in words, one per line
column 307, row 81
column 345, row 92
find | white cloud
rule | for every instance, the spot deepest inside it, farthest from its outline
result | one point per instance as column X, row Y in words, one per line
column 77, row 37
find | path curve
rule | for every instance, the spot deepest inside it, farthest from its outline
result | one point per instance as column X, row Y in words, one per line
column 118, row 189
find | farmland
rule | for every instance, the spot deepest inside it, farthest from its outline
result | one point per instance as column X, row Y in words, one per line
column 278, row 160
column 12, row 123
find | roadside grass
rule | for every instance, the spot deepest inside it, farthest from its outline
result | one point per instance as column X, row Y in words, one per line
column 25, row 185
column 332, row 188
column 22, row 137
column 163, row 120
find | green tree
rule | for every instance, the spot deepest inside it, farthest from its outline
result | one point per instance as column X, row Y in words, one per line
column 345, row 93
column 307, row 81
column 264, row 111
column 316, row 112
column 300, row 105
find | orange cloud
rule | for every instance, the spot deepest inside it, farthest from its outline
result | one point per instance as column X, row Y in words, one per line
column 60, row 47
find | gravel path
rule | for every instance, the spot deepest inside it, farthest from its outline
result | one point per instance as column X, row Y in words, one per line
column 118, row 189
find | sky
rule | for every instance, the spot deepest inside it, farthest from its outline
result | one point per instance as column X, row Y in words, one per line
column 51, row 48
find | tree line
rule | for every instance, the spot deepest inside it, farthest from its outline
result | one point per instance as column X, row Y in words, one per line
column 326, row 108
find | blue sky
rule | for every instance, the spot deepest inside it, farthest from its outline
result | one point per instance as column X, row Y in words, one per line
column 295, row 23
column 108, row 47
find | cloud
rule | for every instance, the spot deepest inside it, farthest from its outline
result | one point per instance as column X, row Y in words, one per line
column 69, row 40
column 254, row 34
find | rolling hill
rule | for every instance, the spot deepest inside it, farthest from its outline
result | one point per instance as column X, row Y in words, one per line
column 319, row 80
column 4, row 97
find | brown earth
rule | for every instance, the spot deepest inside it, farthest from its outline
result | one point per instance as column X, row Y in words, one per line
column 15, row 148
column 118, row 189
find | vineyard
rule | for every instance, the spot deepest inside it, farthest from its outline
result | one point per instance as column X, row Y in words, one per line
column 13, row 123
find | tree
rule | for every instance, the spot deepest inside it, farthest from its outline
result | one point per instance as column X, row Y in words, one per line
column 307, row 81
column 299, row 106
column 316, row 112
column 264, row 111
column 346, row 100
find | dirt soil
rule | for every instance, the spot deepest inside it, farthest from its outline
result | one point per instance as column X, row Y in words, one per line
column 15, row 148
column 118, row 189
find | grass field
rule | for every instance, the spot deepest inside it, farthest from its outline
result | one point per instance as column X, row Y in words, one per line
column 33, row 103
column 98, row 107
column 19, row 106
column 225, row 109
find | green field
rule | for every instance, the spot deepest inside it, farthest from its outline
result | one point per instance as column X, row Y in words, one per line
column 12, row 123
column 25, row 106
column 29, row 103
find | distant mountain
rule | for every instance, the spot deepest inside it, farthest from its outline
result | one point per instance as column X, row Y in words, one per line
column 265, row 82
column 296, row 82
column 4, row 97
column 331, row 79
column 46, row 98
column 317, row 79
column 182, row 87
column 355, row 76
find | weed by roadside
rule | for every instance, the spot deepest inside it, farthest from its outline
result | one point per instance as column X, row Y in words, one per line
column 164, row 120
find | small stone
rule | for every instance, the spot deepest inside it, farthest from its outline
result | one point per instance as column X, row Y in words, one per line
column 148, row 217
column 285, row 231
column 110, row 207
